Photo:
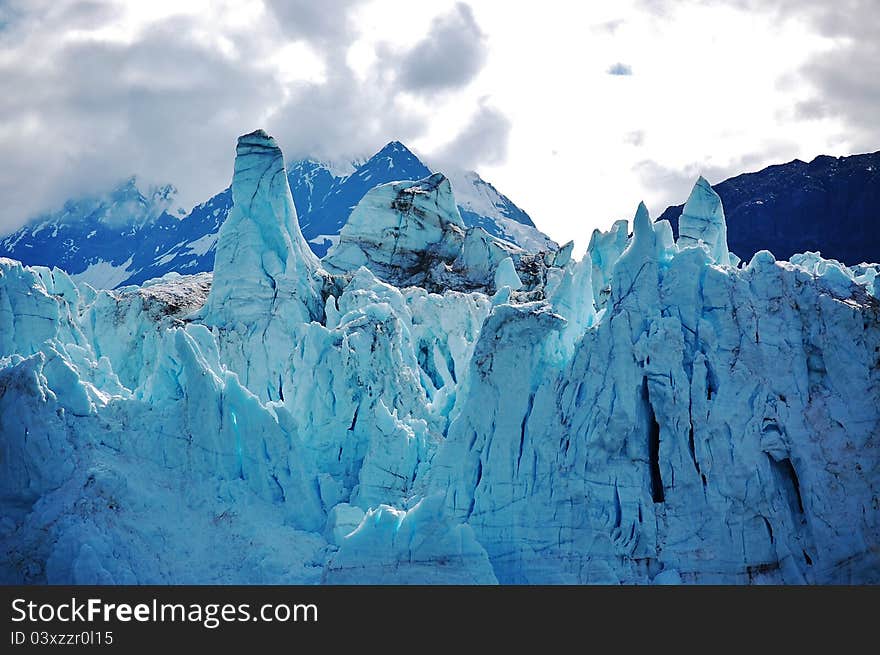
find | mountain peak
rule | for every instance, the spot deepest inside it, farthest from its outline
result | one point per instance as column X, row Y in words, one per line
column 133, row 189
column 396, row 154
column 394, row 146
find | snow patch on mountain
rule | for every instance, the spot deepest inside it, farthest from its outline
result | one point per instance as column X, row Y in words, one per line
column 482, row 204
column 104, row 275
column 203, row 244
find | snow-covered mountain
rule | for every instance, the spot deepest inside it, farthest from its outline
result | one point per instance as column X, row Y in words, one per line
column 430, row 403
column 325, row 200
column 129, row 236
column 102, row 238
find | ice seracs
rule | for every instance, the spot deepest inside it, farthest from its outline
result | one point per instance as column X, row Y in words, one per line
column 411, row 234
column 635, row 285
column 396, row 226
column 702, row 221
column 604, row 249
column 433, row 404
column 506, row 276
column 407, row 546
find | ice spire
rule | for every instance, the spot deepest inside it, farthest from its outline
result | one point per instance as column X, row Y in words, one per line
column 635, row 285
column 702, row 220
column 642, row 246
column 506, row 275
column 262, row 258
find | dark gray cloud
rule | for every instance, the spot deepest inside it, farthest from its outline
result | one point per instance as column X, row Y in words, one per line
column 482, row 141
column 88, row 113
column 327, row 21
column 76, row 115
column 619, row 69
column 845, row 80
column 449, row 57
column 342, row 118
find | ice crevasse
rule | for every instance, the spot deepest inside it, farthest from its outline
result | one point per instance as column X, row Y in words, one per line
column 432, row 404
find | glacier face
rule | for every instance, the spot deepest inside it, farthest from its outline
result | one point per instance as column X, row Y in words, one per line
column 433, row 404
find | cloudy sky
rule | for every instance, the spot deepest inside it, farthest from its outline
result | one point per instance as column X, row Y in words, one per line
column 575, row 110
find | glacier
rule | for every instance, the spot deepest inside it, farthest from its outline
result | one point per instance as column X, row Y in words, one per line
column 432, row 403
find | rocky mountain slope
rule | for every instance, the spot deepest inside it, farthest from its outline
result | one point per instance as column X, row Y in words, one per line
column 828, row 205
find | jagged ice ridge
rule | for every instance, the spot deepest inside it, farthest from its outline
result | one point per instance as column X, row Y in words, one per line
column 433, row 404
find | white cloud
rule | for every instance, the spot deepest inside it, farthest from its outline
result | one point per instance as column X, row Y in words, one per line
column 96, row 91
column 106, row 89
column 482, row 141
